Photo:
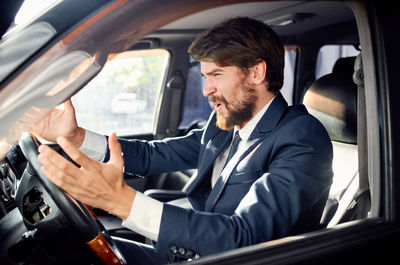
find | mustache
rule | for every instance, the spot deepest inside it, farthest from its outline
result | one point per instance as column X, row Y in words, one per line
column 213, row 99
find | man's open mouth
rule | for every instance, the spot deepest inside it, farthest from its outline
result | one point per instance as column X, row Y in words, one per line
column 218, row 106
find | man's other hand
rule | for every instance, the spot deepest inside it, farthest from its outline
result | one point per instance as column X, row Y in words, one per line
column 97, row 184
column 60, row 122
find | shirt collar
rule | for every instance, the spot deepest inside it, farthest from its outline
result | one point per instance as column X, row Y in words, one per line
column 245, row 132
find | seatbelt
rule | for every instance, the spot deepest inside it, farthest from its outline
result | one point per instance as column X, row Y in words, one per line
column 360, row 204
column 176, row 87
column 362, row 200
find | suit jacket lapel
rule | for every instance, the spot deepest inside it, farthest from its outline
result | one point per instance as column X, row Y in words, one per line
column 271, row 117
column 201, row 186
column 227, row 172
column 213, row 148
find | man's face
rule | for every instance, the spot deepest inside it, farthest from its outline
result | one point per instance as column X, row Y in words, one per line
column 227, row 88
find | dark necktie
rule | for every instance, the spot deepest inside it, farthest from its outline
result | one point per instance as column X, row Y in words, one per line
column 220, row 182
column 234, row 146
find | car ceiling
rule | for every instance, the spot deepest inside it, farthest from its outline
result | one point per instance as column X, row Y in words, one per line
column 307, row 16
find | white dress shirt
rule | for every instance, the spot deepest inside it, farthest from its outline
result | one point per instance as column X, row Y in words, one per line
column 146, row 212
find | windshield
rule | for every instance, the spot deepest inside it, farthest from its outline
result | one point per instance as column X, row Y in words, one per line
column 47, row 77
column 22, row 40
column 26, row 100
column 27, row 94
column 29, row 11
column 25, row 37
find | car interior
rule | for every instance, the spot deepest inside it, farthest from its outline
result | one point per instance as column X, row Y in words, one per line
column 323, row 71
column 306, row 28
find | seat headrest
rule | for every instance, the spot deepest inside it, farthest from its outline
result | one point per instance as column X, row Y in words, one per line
column 344, row 65
column 332, row 99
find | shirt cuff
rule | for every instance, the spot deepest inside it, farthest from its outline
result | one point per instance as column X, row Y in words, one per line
column 145, row 216
column 94, row 146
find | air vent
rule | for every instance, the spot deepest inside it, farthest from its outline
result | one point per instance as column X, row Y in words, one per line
column 34, row 207
column 8, row 186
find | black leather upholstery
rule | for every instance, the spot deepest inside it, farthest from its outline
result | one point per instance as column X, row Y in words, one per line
column 332, row 99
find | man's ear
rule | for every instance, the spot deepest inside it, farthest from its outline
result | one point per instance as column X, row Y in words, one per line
column 258, row 72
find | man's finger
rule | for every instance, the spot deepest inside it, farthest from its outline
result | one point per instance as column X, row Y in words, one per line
column 115, row 151
column 58, row 177
column 68, row 105
column 73, row 152
column 48, row 155
column 64, row 182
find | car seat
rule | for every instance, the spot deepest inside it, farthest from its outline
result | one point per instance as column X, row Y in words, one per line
column 332, row 99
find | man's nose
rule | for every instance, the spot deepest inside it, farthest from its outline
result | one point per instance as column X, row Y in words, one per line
column 208, row 88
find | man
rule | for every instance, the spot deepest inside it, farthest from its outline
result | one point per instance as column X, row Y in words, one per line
column 274, row 185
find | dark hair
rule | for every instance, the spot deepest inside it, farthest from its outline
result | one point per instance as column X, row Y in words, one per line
column 242, row 42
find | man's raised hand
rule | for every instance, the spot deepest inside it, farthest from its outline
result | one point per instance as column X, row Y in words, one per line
column 97, row 184
column 60, row 122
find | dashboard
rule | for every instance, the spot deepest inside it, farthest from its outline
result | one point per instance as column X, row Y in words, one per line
column 33, row 229
column 9, row 179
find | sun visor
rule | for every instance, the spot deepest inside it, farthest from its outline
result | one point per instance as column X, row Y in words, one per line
column 19, row 46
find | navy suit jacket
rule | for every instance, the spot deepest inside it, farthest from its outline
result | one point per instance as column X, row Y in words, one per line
column 277, row 187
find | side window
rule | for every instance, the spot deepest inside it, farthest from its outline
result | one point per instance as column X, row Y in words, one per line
column 289, row 72
column 196, row 106
column 123, row 97
column 328, row 55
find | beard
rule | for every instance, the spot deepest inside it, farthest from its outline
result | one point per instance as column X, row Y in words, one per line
column 238, row 111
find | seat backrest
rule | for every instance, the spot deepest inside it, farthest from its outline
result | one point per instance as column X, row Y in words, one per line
column 332, row 99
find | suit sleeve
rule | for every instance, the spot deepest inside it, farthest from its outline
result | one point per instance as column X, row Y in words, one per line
column 294, row 177
column 152, row 157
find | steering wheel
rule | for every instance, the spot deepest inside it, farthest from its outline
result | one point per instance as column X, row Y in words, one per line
column 79, row 215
